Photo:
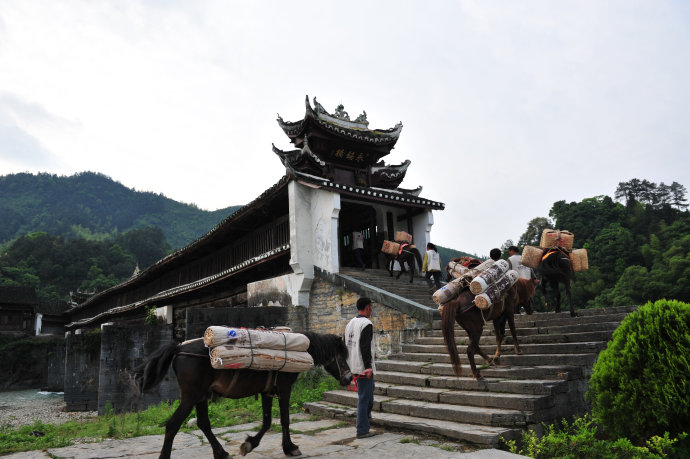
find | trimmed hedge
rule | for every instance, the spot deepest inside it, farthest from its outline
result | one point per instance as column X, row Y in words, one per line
column 640, row 385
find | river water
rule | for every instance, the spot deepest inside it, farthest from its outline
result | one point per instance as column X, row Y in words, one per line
column 20, row 397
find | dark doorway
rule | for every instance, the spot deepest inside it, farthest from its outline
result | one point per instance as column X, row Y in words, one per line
column 362, row 218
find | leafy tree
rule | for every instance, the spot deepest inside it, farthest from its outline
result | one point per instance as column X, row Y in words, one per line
column 532, row 234
column 640, row 382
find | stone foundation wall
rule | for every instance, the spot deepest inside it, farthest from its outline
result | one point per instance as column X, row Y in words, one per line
column 82, row 362
column 333, row 306
column 124, row 347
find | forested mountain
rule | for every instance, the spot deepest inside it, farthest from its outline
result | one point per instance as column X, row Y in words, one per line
column 95, row 207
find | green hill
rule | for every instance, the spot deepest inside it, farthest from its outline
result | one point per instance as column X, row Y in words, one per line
column 93, row 206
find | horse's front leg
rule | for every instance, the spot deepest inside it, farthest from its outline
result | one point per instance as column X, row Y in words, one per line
column 173, row 425
column 250, row 443
column 289, row 448
column 412, row 272
column 205, row 426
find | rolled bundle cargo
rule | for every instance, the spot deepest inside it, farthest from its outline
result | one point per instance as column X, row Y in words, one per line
column 390, row 247
column 579, row 260
column 456, row 269
column 531, row 256
column 266, row 339
column 402, row 236
column 227, row 357
column 446, row 293
column 496, row 291
column 487, row 277
column 451, row 290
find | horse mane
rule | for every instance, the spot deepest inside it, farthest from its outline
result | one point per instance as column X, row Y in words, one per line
column 325, row 347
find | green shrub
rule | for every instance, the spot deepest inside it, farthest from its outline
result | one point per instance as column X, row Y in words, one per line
column 580, row 440
column 640, row 384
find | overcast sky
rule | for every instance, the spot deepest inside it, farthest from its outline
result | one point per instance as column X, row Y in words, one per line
column 507, row 107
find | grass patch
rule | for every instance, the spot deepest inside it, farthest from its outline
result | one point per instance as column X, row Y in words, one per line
column 309, row 387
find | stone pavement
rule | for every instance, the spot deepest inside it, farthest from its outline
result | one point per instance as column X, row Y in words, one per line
column 320, row 438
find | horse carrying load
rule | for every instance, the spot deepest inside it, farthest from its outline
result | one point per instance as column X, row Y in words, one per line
column 555, row 240
column 478, row 293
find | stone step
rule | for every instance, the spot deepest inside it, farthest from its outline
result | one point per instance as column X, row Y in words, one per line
column 543, row 330
column 514, row 386
column 562, row 371
column 507, row 358
column 523, row 338
column 473, row 433
column 523, row 402
column 527, row 348
column 497, row 417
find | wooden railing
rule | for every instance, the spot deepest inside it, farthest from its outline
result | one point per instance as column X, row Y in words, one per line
column 264, row 239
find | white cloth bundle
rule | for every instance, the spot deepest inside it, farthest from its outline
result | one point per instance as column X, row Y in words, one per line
column 487, row 277
column 446, row 293
column 496, row 291
column 265, row 339
column 228, row 357
column 456, row 269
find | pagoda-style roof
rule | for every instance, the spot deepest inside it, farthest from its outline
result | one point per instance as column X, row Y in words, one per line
column 339, row 124
column 339, row 149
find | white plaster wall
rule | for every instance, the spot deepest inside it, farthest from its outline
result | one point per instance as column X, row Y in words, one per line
column 421, row 226
column 313, row 236
column 271, row 290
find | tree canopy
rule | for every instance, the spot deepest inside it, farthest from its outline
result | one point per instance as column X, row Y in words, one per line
column 637, row 252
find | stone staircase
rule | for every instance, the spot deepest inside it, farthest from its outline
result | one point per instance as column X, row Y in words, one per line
column 416, row 390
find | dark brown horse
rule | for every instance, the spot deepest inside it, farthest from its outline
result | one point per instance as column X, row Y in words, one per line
column 198, row 380
column 463, row 311
column 556, row 268
column 408, row 255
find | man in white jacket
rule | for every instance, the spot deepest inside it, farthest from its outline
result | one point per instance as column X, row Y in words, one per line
column 359, row 339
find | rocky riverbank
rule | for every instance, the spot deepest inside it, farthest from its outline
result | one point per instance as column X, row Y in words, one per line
column 48, row 410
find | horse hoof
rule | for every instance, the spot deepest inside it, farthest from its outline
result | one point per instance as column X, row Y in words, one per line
column 573, row 314
column 295, row 452
column 245, row 448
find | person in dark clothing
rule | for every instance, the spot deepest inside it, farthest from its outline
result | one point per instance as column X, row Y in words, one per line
column 359, row 339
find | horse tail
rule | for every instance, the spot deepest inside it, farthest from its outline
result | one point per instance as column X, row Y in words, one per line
column 150, row 373
column 448, row 328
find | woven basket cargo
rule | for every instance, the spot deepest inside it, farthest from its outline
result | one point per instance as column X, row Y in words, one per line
column 578, row 258
column 402, row 236
column 565, row 240
column 390, row 247
column 267, row 339
column 555, row 238
column 227, row 357
column 531, row 256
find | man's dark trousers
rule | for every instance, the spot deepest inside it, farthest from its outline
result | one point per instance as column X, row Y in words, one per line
column 365, row 391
